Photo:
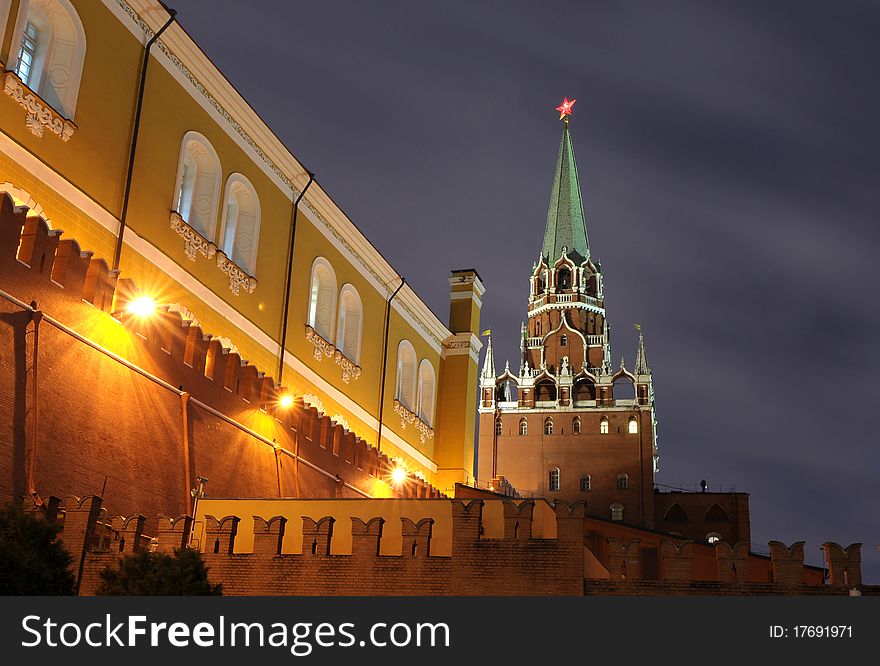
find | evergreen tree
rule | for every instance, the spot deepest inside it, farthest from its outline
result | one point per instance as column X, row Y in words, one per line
column 157, row 574
column 32, row 560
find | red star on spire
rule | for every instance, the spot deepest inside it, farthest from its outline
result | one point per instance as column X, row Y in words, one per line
column 565, row 108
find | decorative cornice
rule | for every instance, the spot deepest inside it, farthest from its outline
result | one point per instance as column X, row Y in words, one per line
column 322, row 347
column 406, row 417
column 193, row 242
column 238, row 279
column 40, row 115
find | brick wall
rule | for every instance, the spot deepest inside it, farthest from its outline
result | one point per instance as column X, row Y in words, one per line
column 513, row 565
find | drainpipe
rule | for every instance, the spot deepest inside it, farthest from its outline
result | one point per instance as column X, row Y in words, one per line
column 385, row 361
column 36, row 317
column 184, row 412
column 290, row 246
column 134, row 138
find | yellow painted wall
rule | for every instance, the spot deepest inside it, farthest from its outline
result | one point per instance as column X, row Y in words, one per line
column 95, row 160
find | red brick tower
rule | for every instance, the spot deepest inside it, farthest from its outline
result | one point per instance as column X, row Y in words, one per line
column 567, row 425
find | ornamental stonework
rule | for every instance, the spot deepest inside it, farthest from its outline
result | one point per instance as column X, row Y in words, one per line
column 322, row 347
column 238, row 279
column 40, row 115
column 407, row 417
column 193, row 242
column 350, row 369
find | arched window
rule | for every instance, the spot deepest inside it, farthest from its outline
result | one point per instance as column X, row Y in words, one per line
column 241, row 223
column 713, row 537
column 633, row 425
column 603, row 426
column 563, row 340
column 622, row 482
column 716, row 513
column 545, row 391
column 576, row 425
column 554, row 479
column 322, row 298
column 617, row 511
column 523, row 427
column 426, row 392
column 498, row 426
column 538, row 328
column 406, row 375
column 198, row 184
column 350, row 323
column 586, row 483
column 548, row 426
column 50, row 49
column 563, row 279
column 676, row 514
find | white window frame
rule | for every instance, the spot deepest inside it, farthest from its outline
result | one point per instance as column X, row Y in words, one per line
column 318, row 265
column 349, row 289
column 45, row 61
column 227, row 245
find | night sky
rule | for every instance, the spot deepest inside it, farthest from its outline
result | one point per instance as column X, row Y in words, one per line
column 728, row 158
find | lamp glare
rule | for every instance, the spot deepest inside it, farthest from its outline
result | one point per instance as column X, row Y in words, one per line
column 142, row 306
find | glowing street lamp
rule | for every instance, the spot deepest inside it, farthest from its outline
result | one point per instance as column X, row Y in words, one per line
column 398, row 475
column 285, row 401
column 142, row 306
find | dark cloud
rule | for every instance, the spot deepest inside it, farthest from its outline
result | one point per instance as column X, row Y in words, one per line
column 728, row 155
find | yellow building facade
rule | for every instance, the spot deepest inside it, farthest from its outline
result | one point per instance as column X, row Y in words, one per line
column 206, row 224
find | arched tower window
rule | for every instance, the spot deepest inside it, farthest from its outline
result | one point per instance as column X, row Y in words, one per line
column 586, row 483
column 713, row 537
column 633, row 425
column 603, row 426
column 548, row 426
column 554, row 479
column 576, row 425
column 241, row 223
column 198, row 184
column 50, row 49
column 322, row 298
column 498, row 426
column 426, row 392
column 563, row 279
column 716, row 513
column 617, row 511
column 622, row 482
column 676, row 514
column 523, row 427
column 349, row 324
column 563, row 340
column 406, row 375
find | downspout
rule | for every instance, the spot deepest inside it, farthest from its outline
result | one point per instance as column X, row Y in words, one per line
column 187, row 479
column 36, row 317
column 385, row 361
column 117, row 254
column 290, row 246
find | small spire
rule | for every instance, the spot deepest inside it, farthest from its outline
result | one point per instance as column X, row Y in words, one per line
column 642, row 367
column 489, row 362
column 622, row 363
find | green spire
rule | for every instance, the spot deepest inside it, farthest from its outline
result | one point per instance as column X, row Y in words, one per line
column 565, row 218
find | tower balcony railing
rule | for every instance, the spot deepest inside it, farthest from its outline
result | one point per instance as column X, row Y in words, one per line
column 574, row 297
column 595, row 339
column 534, row 343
